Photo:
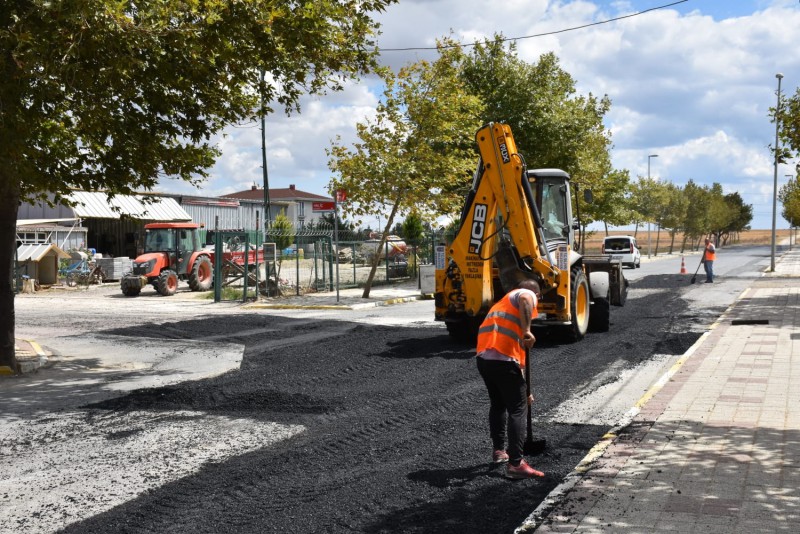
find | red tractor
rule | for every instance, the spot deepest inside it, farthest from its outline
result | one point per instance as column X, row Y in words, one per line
column 172, row 252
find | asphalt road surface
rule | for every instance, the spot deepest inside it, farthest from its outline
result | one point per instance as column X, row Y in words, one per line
column 368, row 421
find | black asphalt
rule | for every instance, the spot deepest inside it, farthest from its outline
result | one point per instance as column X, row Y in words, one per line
column 396, row 419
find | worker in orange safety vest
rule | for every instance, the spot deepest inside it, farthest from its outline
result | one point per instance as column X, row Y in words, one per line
column 504, row 338
column 709, row 256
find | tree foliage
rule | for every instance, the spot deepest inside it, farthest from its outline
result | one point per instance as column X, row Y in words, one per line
column 790, row 128
column 789, row 195
column 115, row 95
column 413, row 154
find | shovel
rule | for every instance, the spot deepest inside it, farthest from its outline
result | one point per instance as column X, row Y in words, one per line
column 694, row 277
column 532, row 447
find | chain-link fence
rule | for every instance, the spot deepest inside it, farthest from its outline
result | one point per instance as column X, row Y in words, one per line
column 292, row 262
column 313, row 259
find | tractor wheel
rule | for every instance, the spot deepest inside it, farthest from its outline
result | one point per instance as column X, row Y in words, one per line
column 202, row 275
column 579, row 306
column 167, row 283
column 131, row 291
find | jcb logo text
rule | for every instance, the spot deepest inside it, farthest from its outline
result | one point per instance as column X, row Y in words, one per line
column 478, row 228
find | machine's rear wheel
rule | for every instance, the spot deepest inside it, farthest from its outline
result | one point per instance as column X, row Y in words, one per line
column 202, row 275
column 167, row 283
column 579, row 306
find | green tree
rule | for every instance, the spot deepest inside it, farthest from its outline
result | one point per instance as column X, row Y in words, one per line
column 741, row 215
column 115, row 95
column 696, row 223
column 790, row 128
column 789, row 195
column 674, row 215
column 553, row 126
column 642, row 202
column 413, row 154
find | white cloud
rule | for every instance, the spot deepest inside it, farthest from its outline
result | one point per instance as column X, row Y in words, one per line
column 692, row 83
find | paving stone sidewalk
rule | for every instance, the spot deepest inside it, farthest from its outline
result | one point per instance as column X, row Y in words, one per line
column 715, row 445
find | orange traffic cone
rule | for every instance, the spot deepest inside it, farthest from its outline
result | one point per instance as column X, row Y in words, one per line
column 683, row 266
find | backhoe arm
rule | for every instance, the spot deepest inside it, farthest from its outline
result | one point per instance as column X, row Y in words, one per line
column 500, row 206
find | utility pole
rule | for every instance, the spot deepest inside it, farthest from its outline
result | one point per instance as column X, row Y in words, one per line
column 775, row 180
column 265, row 174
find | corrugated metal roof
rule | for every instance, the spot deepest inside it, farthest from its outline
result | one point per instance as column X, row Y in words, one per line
column 41, row 222
column 37, row 252
column 90, row 205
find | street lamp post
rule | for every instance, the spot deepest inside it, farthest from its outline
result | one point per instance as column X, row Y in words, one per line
column 775, row 179
column 648, row 183
column 790, row 176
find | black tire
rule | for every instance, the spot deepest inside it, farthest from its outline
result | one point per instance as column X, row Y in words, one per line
column 167, row 283
column 202, row 276
column 600, row 316
column 579, row 306
column 131, row 291
column 465, row 331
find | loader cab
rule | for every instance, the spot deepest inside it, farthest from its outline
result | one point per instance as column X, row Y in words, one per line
column 551, row 192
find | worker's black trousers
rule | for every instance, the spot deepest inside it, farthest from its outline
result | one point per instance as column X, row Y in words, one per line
column 507, row 395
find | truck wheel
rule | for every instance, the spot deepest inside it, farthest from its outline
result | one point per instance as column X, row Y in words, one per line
column 167, row 283
column 202, row 275
column 600, row 316
column 579, row 306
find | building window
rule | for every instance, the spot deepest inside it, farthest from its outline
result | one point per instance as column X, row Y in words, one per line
column 33, row 238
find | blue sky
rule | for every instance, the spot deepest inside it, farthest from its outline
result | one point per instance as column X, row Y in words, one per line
column 692, row 83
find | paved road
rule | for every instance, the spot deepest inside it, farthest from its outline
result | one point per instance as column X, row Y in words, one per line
column 325, row 420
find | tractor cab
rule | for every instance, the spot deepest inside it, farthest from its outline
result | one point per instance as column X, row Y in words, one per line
column 179, row 244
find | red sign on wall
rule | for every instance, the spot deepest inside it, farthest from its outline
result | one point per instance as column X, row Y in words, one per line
column 322, row 206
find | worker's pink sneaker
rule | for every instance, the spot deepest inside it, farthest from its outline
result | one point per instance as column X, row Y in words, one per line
column 499, row 457
column 523, row 470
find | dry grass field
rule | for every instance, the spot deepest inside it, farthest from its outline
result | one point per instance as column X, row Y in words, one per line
column 750, row 237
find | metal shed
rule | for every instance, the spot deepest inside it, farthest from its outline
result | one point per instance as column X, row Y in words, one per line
column 40, row 262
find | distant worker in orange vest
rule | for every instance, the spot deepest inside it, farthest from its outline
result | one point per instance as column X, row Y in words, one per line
column 504, row 338
column 709, row 256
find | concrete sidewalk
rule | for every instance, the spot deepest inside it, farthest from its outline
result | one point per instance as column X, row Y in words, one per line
column 714, row 446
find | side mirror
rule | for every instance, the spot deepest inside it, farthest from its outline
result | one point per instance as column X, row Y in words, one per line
column 587, row 196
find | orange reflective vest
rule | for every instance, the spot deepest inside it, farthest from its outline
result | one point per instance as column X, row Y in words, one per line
column 501, row 330
column 710, row 254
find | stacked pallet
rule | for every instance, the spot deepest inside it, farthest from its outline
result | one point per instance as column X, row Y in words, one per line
column 114, row 268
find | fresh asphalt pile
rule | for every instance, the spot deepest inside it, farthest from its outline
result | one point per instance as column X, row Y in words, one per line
column 395, row 432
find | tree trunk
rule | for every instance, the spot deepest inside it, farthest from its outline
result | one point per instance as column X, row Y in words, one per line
column 377, row 259
column 9, row 208
column 658, row 237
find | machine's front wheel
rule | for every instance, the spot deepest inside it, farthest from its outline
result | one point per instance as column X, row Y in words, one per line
column 579, row 306
column 167, row 283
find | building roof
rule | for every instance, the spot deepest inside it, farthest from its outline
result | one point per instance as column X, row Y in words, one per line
column 37, row 252
column 42, row 222
column 290, row 193
column 96, row 205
